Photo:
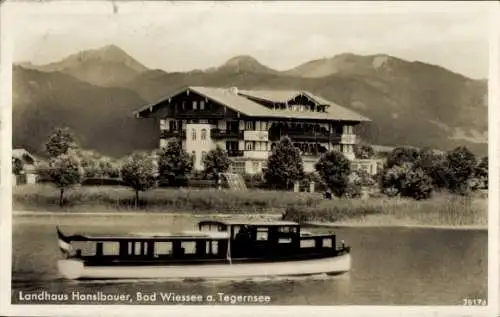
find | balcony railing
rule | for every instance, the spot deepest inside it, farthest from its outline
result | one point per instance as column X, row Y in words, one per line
column 233, row 153
column 225, row 134
column 166, row 134
column 307, row 135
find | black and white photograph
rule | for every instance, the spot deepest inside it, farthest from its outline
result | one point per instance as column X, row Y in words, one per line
column 249, row 154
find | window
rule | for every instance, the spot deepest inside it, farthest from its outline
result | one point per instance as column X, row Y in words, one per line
column 255, row 166
column 249, row 125
column 238, row 167
column 348, row 129
column 215, row 247
column 249, row 145
column 195, row 105
column 189, row 247
column 193, row 134
column 203, row 156
column 88, row 248
column 307, row 243
column 262, row 234
column 162, row 248
column 327, row 242
column 163, row 124
column 202, row 105
column 111, row 248
column 203, row 134
column 193, row 155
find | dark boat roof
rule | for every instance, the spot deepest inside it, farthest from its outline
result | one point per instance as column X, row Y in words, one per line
column 150, row 236
column 262, row 223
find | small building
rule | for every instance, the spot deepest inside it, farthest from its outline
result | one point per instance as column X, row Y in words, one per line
column 249, row 123
column 28, row 174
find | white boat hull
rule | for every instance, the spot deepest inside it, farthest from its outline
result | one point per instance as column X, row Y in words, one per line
column 76, row 269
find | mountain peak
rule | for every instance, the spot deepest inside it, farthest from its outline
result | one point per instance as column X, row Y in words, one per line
column 246, row 63
column 241, row 59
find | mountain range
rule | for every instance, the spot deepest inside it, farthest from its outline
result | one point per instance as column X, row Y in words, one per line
column 95, row 91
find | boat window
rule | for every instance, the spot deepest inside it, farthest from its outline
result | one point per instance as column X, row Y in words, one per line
column 214, row 247
column 111, row 248
column 327, row 242
column 163, row 248
column 309, row 243
column 88, row 248
column 189, row 247
column 287, row 229
column 137, row 248
column 262, row 234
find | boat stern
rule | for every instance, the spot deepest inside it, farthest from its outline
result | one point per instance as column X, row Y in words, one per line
column 71, row 268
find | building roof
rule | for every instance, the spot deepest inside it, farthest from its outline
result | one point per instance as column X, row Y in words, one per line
column 237, row 101
column 24, row 156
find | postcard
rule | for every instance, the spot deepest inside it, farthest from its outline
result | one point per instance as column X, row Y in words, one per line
column 282, row 158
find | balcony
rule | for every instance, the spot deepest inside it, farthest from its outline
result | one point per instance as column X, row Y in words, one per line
column 233, row 153
column 321, row 136
column 348, row 139
column 225, row 134
column 166, row 134
column 261, row 155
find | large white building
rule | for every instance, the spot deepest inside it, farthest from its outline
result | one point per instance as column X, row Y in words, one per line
column 249, row 123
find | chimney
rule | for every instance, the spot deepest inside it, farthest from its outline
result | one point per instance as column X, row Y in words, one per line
column 234, row 90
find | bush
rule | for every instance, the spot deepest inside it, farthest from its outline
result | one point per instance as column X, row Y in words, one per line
column 406, row 180
column 401, row 155
column 363, row 151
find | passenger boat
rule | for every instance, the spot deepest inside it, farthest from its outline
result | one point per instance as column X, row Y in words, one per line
column 217, row 249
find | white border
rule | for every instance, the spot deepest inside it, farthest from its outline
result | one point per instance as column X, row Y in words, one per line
column 10, row 10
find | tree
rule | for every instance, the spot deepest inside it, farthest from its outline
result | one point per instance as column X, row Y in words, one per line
column 64, row 172
column 217, row 161
column 364, row 151
column 334, row 168
column 461, row 166
column 17, row 166
column 138, row 172
column 60, row 142
column 284, row 165
column 401, row 155
column 174, row 162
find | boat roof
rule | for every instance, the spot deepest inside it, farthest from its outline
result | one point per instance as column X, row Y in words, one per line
column 151, row 236
column 249, row 223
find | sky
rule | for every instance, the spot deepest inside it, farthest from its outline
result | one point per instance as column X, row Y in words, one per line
column 182, row 37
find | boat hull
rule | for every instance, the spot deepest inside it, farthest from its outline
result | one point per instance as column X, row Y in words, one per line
column 76, row 269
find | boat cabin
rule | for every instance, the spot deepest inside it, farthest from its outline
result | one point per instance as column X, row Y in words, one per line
column 215, row 241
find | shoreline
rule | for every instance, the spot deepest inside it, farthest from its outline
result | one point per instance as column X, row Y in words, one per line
column 352, row 223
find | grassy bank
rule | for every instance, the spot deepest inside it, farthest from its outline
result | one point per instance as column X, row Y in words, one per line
column 441, row 210
column 99, row 199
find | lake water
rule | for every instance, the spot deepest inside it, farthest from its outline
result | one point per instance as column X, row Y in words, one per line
column 391, row 266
